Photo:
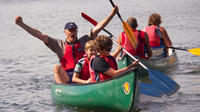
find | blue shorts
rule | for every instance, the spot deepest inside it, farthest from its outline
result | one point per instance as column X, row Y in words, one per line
column 70, row 74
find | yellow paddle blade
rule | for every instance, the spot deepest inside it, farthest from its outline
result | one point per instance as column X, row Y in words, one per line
column 195, row 51
column 130, row 35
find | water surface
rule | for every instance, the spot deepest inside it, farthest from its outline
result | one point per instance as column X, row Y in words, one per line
column 26, row 64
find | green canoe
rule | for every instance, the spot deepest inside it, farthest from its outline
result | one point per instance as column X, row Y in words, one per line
column 117, row 94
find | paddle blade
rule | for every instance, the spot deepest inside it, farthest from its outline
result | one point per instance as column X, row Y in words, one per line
column 150, row 90
column 130, row 35
column 195, row 51
column 163, row 82
column 89, row 18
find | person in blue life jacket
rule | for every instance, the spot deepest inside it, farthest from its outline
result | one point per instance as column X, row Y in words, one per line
column 70, row 50
column 158, row 36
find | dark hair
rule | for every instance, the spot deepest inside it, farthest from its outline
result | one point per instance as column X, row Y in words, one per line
column 103, row 42
column 154, row 19
column 132, row 22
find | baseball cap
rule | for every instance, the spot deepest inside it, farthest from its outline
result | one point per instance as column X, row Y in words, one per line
column 70, row 25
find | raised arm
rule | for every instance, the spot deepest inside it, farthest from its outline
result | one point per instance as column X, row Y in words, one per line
column 32, row 31
column 119, row 48
column 117, row 51
column 104, row 22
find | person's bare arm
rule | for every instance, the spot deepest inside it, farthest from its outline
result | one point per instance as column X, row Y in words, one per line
column 119, row 41
column 119, row 48
column 104, row 22
column 117, row 51
column 76, row 79
column 149, row 51
column 34, row 32
column 113, row 73
column 166, row 38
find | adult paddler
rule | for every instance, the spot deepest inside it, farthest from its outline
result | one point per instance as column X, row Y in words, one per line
column 158, row 37
column 70, row 50
column 143, row 50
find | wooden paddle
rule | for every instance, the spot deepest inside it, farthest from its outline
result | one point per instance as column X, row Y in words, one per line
column 160, row 80
column 195, row 51
column 128, row 30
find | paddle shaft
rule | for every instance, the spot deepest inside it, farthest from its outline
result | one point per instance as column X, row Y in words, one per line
column 117, row 12
column 127, row 29
column 195, row 51
column 178, row 48
column 160, row 80
column 130, row 55
column 95, row 23
column 129, row 33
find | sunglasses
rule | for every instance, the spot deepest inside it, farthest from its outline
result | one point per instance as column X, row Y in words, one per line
column 108, row 49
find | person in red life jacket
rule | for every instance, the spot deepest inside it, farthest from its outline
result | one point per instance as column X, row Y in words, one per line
column 158, row 36
column 81, row 70
column 70, row 50
column 103, row 66
column 143, row 50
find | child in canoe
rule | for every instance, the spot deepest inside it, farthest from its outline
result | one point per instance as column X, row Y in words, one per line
column 81, row 72
column 104, row 66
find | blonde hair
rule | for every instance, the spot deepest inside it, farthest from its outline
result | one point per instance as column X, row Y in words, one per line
column 90, row 44
column 154, row 19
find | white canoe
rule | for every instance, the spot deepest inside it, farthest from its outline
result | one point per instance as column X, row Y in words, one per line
column 163, row 64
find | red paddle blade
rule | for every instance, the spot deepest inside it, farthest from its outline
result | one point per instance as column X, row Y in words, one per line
column 89, row 18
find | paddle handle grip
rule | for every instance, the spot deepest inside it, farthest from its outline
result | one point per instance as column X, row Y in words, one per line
column 117, row 12
column 95, row 23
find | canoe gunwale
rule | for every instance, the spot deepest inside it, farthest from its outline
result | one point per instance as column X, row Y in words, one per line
column 163, row 58
column 117, row 77
column 131, row 109
column 162, row 64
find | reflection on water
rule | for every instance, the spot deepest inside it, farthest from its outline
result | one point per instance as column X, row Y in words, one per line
column 195, row 69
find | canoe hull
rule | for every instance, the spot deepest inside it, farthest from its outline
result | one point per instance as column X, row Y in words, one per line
column 162, row 64
column 117, row 94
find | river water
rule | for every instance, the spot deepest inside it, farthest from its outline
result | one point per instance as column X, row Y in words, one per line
column 26, row 64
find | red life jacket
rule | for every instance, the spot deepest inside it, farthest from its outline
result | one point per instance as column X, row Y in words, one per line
column 71, row 56
column 154, row 38
column 98, row 76
column 140, row 50
column 84, row 74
